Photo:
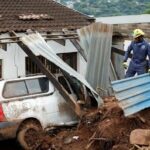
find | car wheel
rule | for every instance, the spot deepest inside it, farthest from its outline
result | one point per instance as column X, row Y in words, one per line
column 29, row 136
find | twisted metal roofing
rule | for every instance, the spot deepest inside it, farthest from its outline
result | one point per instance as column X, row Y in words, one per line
column 133, row 93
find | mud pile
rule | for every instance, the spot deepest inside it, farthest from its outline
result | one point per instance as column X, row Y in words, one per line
column 102, row 129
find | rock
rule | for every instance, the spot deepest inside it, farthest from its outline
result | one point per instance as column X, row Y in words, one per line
column 120, row 147
column 140, row 137
column 67, row 140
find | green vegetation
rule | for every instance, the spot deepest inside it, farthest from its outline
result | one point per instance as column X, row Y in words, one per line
column 147, row 11
column 110, row 7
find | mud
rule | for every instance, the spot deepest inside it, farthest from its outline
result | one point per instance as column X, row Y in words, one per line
column 9, row 145
column 102, row 129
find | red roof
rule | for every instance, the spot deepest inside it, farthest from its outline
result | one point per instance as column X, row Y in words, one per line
column 40, row 15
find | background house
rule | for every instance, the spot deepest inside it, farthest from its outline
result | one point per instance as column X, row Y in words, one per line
column 123, row 27
column 45, row 16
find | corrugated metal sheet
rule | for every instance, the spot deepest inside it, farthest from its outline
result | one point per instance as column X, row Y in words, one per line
column 133, row 93
column 125, row 19
column 96, row 40
column 37, row 44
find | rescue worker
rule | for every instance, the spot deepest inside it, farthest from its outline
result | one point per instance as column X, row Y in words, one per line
column 140, row 49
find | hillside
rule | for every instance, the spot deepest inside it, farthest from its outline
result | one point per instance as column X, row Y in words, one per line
column 108, row 7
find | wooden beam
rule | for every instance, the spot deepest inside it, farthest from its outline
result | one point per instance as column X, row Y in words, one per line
column 119, row 51
column 15, row 40
column 79, row 48
column 44, row 35
column 73, row 104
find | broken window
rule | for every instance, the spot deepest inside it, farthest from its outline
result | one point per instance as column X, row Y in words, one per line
column 69, row 58
column 26, row 87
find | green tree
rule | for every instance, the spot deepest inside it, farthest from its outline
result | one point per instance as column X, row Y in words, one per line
column 111, row 7
column 147, row 11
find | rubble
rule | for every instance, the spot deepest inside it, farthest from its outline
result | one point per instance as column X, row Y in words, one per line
column 140, row 137
column 102, row 129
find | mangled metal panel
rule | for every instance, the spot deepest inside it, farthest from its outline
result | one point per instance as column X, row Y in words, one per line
column 96, row 40
column 117, row 63
column 36, row 43
column 133, row 93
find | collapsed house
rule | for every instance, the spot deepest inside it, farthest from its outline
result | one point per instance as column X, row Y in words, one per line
column 57, row 24
column 58, row 27
column 59, row 30
column 123, row 27
column 132, row 93
column 49, row 18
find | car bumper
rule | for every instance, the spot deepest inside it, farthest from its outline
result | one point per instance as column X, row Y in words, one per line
column 8, row 130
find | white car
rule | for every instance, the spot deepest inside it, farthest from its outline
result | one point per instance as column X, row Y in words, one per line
column 31, row 104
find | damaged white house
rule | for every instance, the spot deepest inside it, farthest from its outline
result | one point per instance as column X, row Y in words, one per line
column 54, row 21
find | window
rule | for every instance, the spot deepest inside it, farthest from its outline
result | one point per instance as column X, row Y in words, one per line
column 3, row 46
column 32, row 68
column 26, row 87
column 40, row 85
column 15, row 89
column 69, row 58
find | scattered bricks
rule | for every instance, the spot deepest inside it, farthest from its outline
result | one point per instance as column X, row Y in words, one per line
column 140, row 137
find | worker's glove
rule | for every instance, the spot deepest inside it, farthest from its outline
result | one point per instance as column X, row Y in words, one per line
column 125, row 65
column 149, row 71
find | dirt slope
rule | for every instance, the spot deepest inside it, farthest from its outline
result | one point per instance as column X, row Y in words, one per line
column 102, row 129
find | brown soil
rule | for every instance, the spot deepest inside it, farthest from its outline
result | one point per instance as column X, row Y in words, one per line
column 102, row 129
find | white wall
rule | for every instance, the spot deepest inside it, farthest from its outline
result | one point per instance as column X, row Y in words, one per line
column 81, row 65
column 58, row 48
column 13, row 64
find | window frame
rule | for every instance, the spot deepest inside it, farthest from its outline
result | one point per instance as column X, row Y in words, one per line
column 31, row 68
column 28, row 95
column 3, row 46
column 72, row 57
column 13, row 82
column 1, row 71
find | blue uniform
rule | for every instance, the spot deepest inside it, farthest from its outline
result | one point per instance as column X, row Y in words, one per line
column 138, row 62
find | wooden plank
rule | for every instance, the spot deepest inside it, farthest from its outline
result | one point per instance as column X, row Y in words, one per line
column 73, row 104
column 119, row 51
column 78, row 47
column 44, row 35
column 46, row 39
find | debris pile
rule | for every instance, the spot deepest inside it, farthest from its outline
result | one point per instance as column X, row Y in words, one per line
column 102, row 129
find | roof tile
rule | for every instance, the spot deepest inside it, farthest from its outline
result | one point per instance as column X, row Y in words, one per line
column 60, row 16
